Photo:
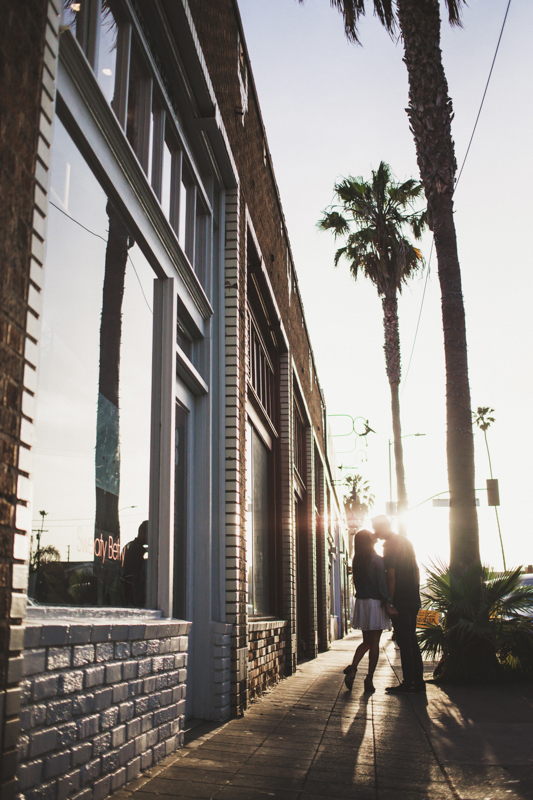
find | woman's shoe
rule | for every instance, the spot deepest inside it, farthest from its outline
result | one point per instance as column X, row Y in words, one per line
column 369, row 686
column 349, row 676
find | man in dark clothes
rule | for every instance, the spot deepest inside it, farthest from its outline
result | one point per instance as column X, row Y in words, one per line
column 134, row 569
column 403, row 583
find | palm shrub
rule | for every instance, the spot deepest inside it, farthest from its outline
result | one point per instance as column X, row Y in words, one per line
column 485, row 631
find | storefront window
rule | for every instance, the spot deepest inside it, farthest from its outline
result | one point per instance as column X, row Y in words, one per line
column 92, row 448
column 180, row 514
column 258, row 524
column 107, row 53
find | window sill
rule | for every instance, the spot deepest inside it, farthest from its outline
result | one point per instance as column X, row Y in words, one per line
column 49, row 613
column 263, row 624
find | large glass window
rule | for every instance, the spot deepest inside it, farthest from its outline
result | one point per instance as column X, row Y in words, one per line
column 107, row 52
column 258, row 523
column 92, row 448
column 180, row 513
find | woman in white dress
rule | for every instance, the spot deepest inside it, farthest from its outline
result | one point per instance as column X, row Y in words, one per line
column 373, row 607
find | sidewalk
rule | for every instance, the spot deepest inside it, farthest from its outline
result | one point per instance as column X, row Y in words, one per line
column 310, row 738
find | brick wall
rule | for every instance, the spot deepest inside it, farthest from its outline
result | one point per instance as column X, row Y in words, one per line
column 219, row 31
column 100, row 703
column 268, row 643
column 25, row 101
column 221, row 639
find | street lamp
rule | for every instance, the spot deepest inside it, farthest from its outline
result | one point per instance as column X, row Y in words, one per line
column 391, row 442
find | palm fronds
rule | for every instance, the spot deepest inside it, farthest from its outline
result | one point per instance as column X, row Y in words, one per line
column 373, row 215
column 485, row 630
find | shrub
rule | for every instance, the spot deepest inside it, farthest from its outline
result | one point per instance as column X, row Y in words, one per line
column 485, row 633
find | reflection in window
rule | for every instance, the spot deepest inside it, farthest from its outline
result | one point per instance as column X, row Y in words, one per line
column 200, row 249
column 299, row 442
column 261, row 371
column 257, row 523
column 71, row 13
column 91, row 475
column 180, row 515
column 182, row 221
column 135, row 110
column 184, row 337
column 166, row 180
column 107, row 53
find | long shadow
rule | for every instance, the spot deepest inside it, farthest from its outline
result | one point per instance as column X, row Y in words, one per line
column 482, row 735
column 344, row 761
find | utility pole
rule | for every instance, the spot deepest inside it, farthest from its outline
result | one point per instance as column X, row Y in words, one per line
column 38, row 537
column 483, row 421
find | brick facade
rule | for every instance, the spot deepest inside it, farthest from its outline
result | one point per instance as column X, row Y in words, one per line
column 26, row 47
column 268, row 649
column 259, row 215
column 90, row 700
column 100, row 702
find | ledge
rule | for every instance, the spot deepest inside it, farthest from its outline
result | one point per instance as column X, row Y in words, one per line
column 47, row 613
column 69, row 626
column 267, row 625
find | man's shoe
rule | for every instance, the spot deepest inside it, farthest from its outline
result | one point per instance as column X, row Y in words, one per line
column 401, row 688
column 421, row 689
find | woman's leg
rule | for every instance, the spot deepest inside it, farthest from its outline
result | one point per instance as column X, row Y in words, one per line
column 373, row 646
column 361, row 650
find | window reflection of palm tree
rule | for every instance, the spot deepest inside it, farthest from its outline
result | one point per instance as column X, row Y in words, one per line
column 107, row 522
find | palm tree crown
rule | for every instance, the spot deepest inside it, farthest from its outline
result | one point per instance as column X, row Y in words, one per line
column 379, row 210
column 385, row 10
column 378, row 246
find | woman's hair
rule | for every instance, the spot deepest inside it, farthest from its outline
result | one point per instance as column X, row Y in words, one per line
column 363, row 545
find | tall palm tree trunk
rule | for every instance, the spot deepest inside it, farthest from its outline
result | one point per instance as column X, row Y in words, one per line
column 430, row 115
column 393, row 363
column 107, row 524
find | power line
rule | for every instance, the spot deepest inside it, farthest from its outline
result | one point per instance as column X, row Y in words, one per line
column 105, row 240
column 419, row 317
column 457, row 182
column 484, row 95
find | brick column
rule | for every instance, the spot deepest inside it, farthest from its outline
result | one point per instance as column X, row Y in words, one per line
column 235, row 438
column 322, row 564
column 28, row 43
column 311, row 532
column 288, row 545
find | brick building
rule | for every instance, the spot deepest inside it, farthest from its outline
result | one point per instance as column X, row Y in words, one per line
column 171, row 538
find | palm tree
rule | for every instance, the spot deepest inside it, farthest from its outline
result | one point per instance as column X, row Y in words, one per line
column 379, row 210
column 430, row 116
column 358, row 499
column 107, row 454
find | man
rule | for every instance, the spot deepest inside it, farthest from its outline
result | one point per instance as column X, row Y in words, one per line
column 134, row 568
column 403, row 583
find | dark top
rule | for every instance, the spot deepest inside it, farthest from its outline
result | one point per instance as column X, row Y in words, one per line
column 370, row 582
column 398, row 554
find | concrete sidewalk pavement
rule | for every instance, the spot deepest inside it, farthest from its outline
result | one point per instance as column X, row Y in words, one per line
column 310, row 738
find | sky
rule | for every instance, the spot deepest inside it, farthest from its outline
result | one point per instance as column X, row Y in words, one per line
column 332, row 109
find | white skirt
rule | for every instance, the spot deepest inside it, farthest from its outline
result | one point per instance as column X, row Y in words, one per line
column 370, row 615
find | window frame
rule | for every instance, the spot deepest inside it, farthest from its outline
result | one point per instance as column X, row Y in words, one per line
column 87, row 114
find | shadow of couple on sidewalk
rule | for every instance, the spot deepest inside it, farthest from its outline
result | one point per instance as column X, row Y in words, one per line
column 482, row 736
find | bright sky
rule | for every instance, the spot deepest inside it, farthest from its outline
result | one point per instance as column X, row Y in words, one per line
column 331, row 109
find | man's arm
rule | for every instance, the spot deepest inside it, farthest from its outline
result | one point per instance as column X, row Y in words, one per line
column 391, row 582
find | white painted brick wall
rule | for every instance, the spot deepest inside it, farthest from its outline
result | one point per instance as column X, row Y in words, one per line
column 100, row 703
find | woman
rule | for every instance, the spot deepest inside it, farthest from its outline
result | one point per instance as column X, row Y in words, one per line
column 373, row 607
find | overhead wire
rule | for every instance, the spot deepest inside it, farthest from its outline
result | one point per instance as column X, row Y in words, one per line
column 72, row 219
column 457, row 183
